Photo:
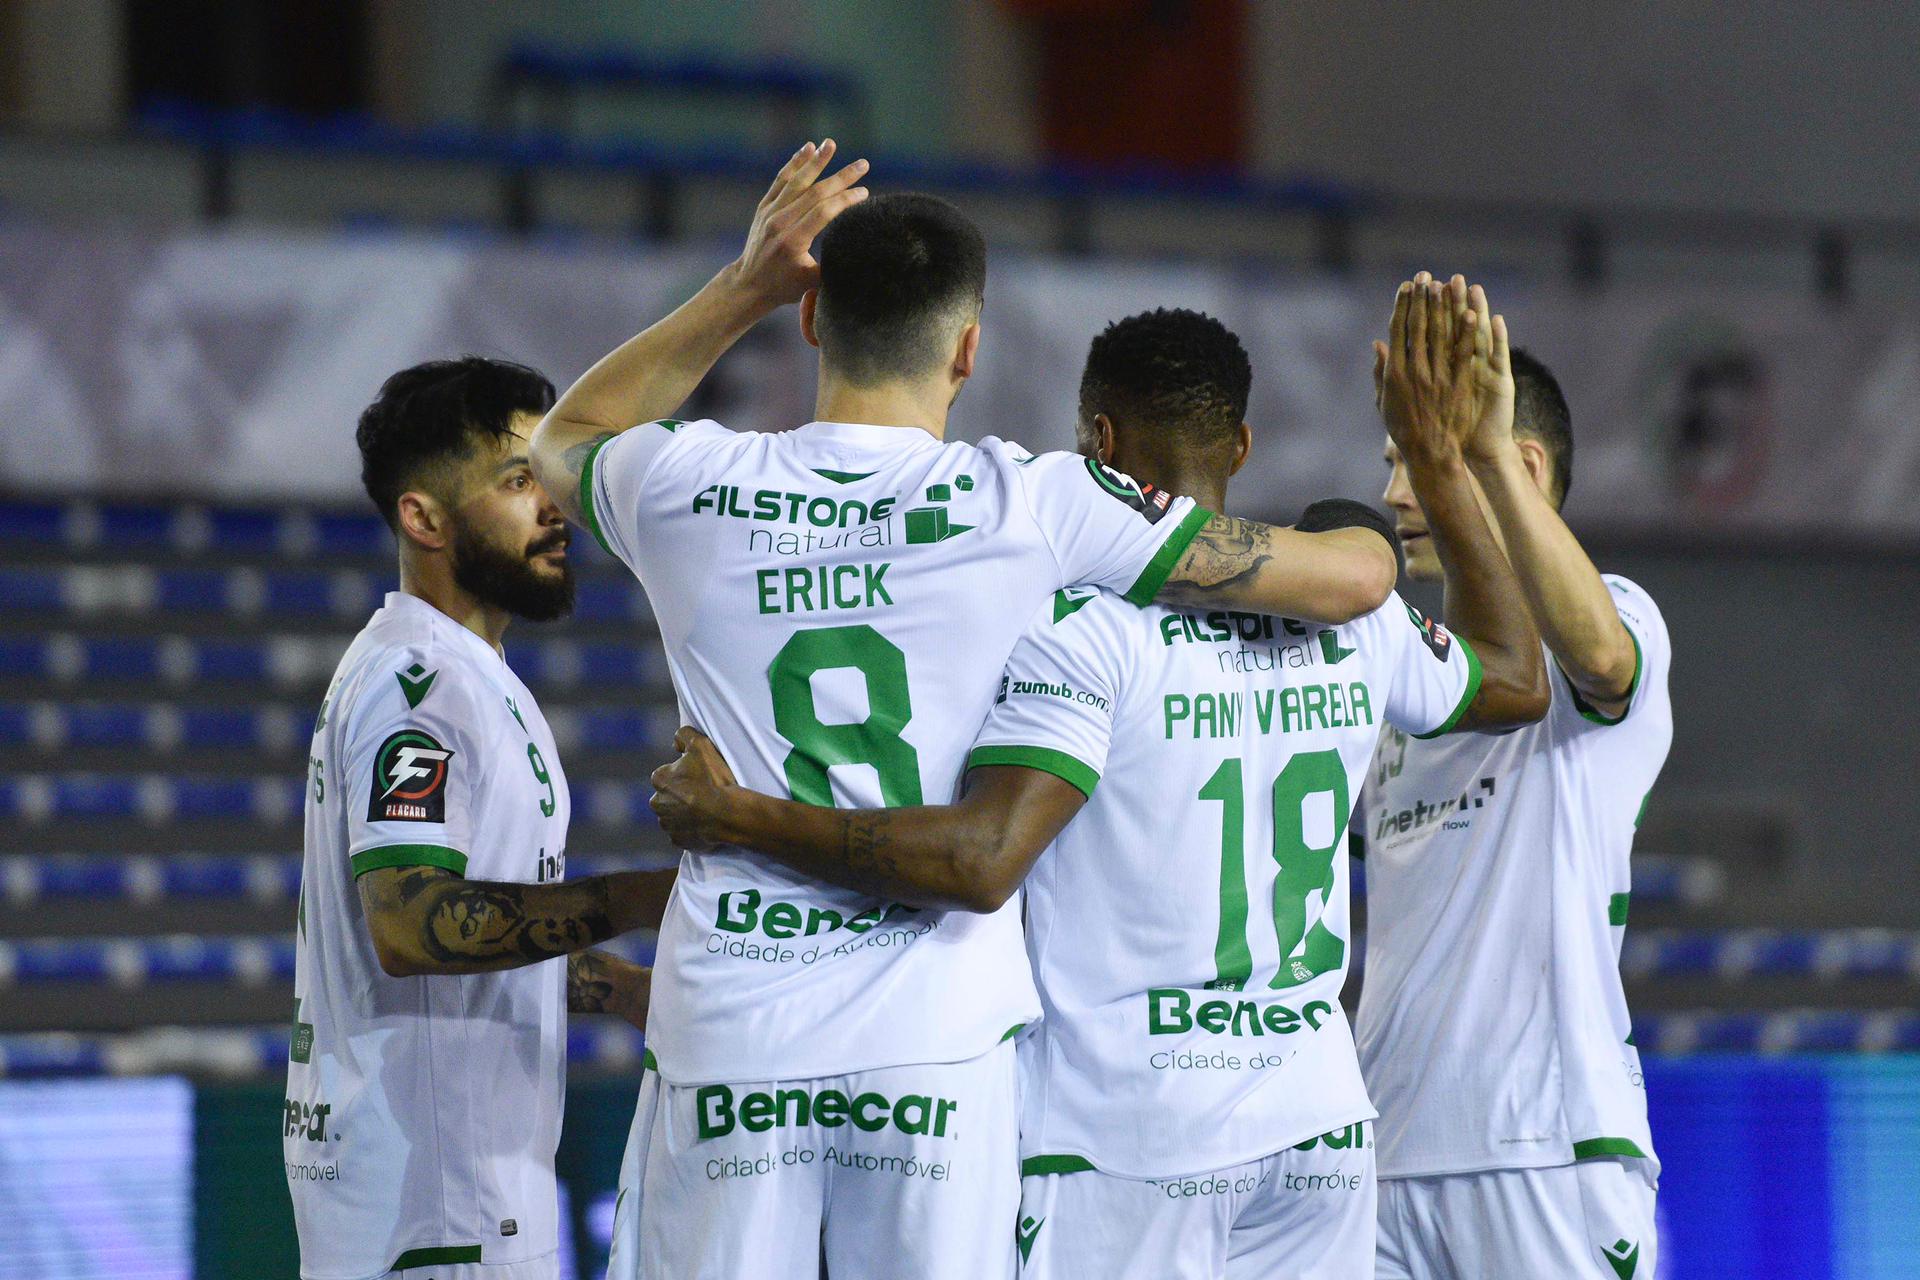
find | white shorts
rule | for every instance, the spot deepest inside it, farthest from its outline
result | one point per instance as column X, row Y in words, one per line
column 901, row 1172
column 1306, row 1213
column 1591, row 1220
column 544, row 1268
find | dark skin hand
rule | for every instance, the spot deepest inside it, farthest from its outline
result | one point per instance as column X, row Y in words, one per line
column 966, row 856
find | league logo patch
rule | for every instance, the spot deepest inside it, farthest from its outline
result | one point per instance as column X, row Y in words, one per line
column 409, row 779
column 1144, row 498
column 1432, row 634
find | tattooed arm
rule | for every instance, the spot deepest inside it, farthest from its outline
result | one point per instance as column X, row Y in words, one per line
column 966, row 856
column 1334, row 576
column 428, row 920
column 600, row 982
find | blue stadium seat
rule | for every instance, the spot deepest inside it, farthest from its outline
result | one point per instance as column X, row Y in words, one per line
column 614, row 664
column 351, row 534
column 600, row 600
column 49, row 1055
column 308, row 594
column 42, row 590
column 95, row 796
column 106, row 725
column 617, row 729
column 132, row 961
column 222, row 727
column 124, row 524
column 242, row 660
column 244, row 529
column 25, row 656
column 213, row 798
column 192, row 590
column 122, row 659
column 16, row 724
column 33, row 523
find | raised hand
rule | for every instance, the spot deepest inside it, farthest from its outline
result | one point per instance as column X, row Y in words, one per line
column 777, row 262
column 1423, row 374
column 1493, row 378
column 690, row 794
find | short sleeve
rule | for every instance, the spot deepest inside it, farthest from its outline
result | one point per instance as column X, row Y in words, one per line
column 615, row 473
column 1107, row 529
column 1054, row 711
column 1435, row 674
column 411, row 771
column 1652, row 652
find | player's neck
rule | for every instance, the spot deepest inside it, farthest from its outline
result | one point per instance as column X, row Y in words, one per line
column 1204, row 484
column 892, row 404
column 433, row 582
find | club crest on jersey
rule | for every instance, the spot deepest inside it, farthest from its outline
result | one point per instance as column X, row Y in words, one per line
column 1149, row 501
column 1432, row 634
column 409, row 779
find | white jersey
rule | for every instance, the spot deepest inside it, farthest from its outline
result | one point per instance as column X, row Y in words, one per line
column 836, row 604
column 1493, row 1028
column 1189, row 928
column 422, row 1113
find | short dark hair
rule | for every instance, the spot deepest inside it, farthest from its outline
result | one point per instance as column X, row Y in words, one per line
column 1540, row 413
column 1169, row 370
column 433, row 414
column 894, row 272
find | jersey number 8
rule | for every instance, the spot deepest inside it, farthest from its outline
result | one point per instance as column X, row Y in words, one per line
column 874, row 741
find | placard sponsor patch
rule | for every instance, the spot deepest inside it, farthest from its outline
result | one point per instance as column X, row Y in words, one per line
column 1148, row 500
column 410, row 779
column 1432, row 634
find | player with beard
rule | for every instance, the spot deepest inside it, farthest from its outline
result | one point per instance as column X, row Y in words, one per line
column 438, row 952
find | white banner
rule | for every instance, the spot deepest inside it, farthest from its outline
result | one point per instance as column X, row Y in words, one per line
column 235, row 365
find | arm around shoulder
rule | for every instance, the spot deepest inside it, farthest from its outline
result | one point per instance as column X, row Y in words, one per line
column 1333, row 575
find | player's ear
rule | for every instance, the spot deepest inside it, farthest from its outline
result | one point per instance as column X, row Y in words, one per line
column 1103, row 442
column 966, row 350
column 809, row 302
column 1539, row 465
column 1242, row 446
column 423, row 521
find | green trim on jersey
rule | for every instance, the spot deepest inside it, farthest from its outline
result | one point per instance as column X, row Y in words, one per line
column 1617, row 908
column 441, row 1256
column 1046, row 759
column 409, row 855
column 1160, row 568
column 1036, row 1166
column 1472, row 690
column 1586, row 709
column 841, row 477
column 648, row 1062
column 586, row 494
column 1013, row 1031
column 1601, row 1148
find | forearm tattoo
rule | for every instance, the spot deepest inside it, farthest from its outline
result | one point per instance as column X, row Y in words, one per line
column 589, row 983
column 1226, row 553
column 478, row 922
column 866, row 850
column 575, row 457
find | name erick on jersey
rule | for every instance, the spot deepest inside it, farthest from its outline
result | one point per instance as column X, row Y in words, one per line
column 836, row 604
column 1189, row 928
column 422, row 1113
column 1493, row 1028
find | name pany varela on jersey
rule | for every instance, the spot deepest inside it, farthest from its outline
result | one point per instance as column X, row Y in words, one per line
column 836, row 603
column 1189, row 928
